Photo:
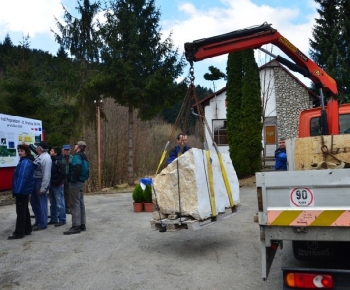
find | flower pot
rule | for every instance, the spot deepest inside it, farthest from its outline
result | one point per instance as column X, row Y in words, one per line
column 149, row 206
column 138, row 206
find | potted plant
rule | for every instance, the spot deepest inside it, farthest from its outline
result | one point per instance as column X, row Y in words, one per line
column 147, row 193
column 138, row 197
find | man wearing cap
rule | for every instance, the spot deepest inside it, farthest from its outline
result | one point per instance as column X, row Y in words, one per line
column 78, row 174
column 42, row 176
column 67, row 158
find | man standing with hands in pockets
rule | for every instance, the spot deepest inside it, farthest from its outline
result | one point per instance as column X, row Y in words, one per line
column 78, row 174
column 42, row 175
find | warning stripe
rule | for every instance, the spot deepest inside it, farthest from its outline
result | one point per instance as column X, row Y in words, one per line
column 310, row 218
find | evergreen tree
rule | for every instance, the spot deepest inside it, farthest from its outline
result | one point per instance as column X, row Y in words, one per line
column 251, row 112
column 325, row 36
column 19, row 90
column 7, row 42
column 139, row 69
column 234, row 102
column 330, row 43
column 214, row 75
column 345, row 45
column 80, row 37
column 244, row 112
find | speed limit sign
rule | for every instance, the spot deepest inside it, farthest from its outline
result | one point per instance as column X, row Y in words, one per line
column 301, row 197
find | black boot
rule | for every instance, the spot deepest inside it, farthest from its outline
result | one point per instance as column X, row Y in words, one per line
column 15, row 237
column 83, row 227
column 73, row 230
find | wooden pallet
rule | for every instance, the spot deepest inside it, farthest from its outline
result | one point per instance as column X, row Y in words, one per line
column 174, row 223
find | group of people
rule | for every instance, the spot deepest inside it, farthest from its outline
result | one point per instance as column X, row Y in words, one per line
column 54, row 173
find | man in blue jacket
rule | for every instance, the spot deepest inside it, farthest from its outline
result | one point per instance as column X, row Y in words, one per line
column 281, row 155
column 180, row 148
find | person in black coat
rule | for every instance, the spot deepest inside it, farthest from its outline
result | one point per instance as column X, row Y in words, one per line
column 22, row 187
column 56, row 192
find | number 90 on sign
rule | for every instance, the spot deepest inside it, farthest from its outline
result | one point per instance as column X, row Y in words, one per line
column 301, row 197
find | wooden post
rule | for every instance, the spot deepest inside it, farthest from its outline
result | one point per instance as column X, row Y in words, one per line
column 98, row 105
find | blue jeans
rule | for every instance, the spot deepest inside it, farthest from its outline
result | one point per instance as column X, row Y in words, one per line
column 57, row 204
column 77, row 206
column 39, row 205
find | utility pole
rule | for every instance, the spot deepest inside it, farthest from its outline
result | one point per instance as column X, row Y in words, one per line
column 98, row 104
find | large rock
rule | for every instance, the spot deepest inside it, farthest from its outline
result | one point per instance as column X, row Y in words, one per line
column 192, row 189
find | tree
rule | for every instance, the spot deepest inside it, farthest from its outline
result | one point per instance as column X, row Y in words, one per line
column 345, row 45
column 7, row 41
column 331, row 39
column 244, row 112
column 215, row 74
column 139, row 69
column 234, row 103
column 81, row 39
column 251, row 113
column 19, row 90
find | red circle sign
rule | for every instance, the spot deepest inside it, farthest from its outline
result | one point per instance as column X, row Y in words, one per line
column 301, row 196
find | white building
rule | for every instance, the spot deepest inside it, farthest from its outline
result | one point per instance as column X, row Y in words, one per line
column 283, row 97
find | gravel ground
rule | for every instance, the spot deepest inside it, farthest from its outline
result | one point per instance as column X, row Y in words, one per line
column 120, row 251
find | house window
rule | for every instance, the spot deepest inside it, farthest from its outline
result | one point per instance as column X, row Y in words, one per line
column 220, row 133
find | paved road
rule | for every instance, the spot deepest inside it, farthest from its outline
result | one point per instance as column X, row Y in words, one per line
column 120, row 251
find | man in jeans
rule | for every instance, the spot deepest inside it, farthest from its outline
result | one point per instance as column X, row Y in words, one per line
column 67, row 158
column 42, row 175
column 78, row 174
column 58, row 175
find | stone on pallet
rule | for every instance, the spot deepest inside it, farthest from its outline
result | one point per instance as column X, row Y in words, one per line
column 192, row 190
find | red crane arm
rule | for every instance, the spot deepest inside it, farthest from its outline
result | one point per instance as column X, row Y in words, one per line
column 255, row 37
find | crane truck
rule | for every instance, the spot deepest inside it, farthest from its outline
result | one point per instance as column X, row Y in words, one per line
column 304, row 205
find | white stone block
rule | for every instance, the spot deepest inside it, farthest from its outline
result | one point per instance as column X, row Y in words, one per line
column 192, row 190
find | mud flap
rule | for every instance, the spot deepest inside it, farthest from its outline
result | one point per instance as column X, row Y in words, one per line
column 268, row 254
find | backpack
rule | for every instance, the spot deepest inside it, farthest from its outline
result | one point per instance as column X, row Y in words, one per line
column 85, row 170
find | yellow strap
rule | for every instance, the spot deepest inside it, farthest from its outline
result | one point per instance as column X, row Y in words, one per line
column 163, row 155
column 227, row 184
column 161, row 160
column 211, row 185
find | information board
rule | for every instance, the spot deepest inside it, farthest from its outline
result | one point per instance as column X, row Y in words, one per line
column 13, row 131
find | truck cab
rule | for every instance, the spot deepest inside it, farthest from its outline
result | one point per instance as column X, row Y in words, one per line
column 309, row 121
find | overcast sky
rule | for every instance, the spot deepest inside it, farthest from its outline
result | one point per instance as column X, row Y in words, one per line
column 186, row 20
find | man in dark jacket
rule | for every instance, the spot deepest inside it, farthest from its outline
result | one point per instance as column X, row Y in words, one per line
column 67, row 158
column 58, row 175
column 281, row 155
column 180, row 148
column 78, row 174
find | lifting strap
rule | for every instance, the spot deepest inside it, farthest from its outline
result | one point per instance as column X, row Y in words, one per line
column 222, row 167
